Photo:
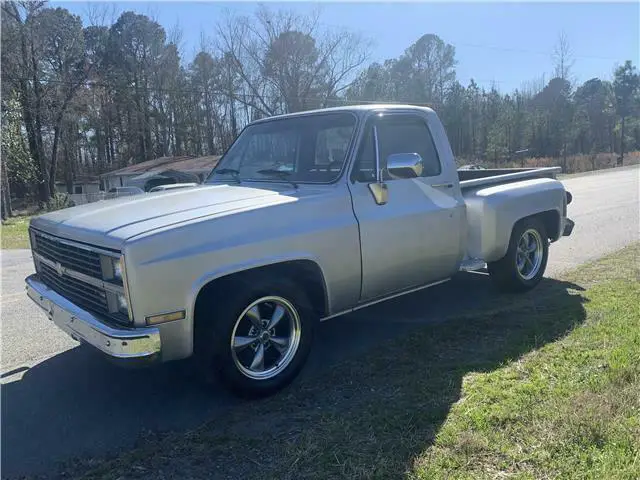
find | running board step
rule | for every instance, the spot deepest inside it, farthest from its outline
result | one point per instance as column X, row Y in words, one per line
column 472, row 264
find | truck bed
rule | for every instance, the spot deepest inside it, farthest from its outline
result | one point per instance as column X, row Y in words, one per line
column 496, row 176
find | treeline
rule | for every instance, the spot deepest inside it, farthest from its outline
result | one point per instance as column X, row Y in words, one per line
column 79, row 100
column 541, row 120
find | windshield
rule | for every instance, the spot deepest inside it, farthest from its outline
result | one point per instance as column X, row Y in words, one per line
column 311, row 148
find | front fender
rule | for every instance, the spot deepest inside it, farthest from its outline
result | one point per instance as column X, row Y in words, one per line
column 226, row 270
column 169, row 267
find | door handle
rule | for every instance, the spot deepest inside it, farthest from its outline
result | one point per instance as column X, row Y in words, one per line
column 442, row 185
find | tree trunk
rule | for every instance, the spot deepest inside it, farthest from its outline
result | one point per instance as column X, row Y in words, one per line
column 111, row 149
column 45, row 191
column 56, row 138
column 208, row 111
column 54, row 159
column 70, row 158
column 621, row 158
column 612, row 138
column 68, row 169
column 177, row 133
column 234, row 124
column 6, row 194
column 68, row 176
column 34, row 147
column 147, row 121
column 140, row 128
column 30, row 108
column 101, row 149
column 198, row 145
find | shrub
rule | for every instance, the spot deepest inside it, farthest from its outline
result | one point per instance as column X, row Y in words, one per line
column 59, row 201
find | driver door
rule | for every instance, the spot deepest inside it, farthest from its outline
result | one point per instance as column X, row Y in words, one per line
column 414, row 238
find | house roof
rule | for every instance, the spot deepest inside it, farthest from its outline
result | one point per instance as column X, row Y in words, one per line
column 181, row 164
column 80, row 179
column 167, row 173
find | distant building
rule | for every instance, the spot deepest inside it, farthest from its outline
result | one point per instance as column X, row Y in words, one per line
column 160, row 171
column 81, row 185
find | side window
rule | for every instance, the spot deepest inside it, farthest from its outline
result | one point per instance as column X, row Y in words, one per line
column 365, row 167
column 408, row 134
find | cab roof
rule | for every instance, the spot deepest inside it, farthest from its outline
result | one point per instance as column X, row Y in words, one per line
column 359, row 110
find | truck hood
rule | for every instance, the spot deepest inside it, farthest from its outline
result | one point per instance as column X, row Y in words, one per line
column 109, row 223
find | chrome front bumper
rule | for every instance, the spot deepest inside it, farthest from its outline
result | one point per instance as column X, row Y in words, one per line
column 118, row 342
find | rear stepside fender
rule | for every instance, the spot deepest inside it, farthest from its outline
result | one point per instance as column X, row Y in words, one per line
column 493, row 211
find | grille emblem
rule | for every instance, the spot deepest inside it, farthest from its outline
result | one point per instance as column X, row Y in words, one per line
column 59, row 269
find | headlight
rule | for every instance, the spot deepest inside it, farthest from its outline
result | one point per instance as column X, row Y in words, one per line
column 117, row 268
column 123, row 305
column 115, row 277
column 111, row 268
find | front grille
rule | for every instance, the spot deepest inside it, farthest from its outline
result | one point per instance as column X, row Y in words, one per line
column 79, row 260
column 77, row 291
column 69, row 256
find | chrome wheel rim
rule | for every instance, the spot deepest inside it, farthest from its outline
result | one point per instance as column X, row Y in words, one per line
column 265, row 338
column 529, row 254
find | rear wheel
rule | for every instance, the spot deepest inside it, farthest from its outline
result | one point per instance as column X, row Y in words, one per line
column 524, row 264
column 256, row 338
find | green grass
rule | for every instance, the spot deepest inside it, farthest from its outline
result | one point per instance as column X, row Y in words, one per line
column 15, row 233
column 570, row 409
column 545, row 385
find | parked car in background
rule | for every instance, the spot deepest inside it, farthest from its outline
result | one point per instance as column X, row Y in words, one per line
column 116, row 192
column 171, row 186
column 285, row 232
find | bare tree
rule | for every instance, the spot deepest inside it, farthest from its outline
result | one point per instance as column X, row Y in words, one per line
column 101, row 14
column 175, row 35
column 563, row 58
column 239, row 45
column 120, row 91
column 21, row 61
column 287, row 62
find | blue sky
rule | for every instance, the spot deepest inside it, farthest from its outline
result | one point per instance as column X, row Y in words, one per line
column 505, row 43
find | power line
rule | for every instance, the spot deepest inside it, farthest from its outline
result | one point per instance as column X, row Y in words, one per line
column 532, row 52
column 505, row 49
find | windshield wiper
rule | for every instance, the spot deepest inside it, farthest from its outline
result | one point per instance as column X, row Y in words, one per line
column 282, row 175
column 229, row 171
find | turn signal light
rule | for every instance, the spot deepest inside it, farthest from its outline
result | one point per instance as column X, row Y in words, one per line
column 166, row 317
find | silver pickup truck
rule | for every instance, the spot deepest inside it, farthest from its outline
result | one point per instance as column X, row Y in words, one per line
column 306, row 217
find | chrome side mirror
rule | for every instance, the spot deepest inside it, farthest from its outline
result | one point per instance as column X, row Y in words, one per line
column 405, row 165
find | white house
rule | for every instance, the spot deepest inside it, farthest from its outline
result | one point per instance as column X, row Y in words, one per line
column 81, row 185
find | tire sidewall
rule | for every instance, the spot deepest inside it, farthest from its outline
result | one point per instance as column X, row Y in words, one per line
column 519, row 229
column 223, row 316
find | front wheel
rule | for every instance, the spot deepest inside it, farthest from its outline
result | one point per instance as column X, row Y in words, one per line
column 524, row 264
column 257, row 338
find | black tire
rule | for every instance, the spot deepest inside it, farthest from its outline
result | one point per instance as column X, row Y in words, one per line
column 505, row 273
column 216, row 318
